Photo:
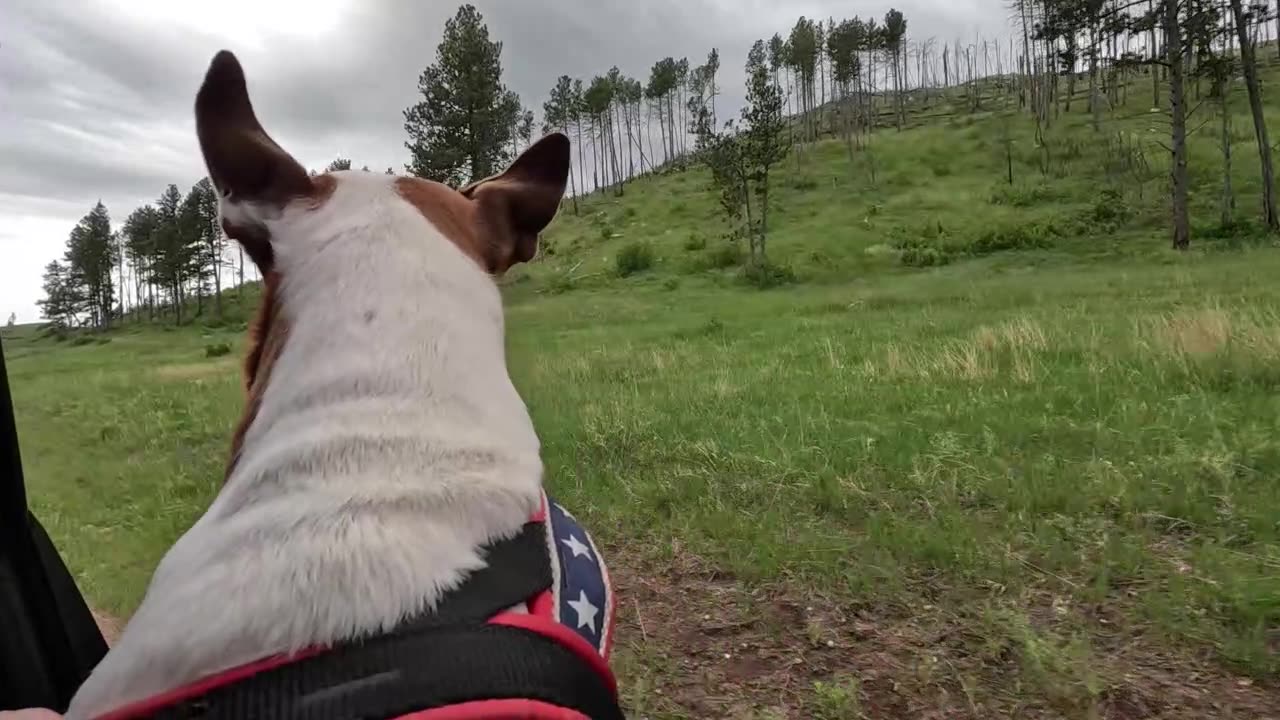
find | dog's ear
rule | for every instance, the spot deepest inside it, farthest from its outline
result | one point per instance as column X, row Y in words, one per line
column 254, row 176
column 514, row 206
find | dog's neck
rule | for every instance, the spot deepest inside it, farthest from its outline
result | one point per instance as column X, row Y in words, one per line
column 387, row 448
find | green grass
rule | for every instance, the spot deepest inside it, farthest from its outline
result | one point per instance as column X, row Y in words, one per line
column 1048, row 465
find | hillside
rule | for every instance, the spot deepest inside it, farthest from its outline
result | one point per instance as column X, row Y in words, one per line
column 997, row 451
column 941, row 188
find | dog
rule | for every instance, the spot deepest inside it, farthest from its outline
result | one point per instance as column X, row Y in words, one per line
column 382, row 544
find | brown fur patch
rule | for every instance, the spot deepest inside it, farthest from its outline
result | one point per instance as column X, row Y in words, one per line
column 266, row 341
column 448, row 211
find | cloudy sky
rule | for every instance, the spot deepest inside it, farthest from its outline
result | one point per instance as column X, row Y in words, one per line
column 96, row 96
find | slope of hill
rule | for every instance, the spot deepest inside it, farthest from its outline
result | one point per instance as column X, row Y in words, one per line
column 998, row 452
column 941, row 192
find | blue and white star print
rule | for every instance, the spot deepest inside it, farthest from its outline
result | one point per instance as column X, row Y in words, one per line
column 581, row 593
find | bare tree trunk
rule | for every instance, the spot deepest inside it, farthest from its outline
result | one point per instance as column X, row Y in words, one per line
column 1228, row 195
column 898, row 83
column 216, row 258
column 1095, row 103
column 662, row 131
column 573, row 183
column 671, row 122
column 764, row 216
column 1071, row 77
column 631, row 152
column 1250, row 66
column 582, row 166
column 639, row 136
column 598, row 166
column 1178, row 116
column 648, row 134
column 615, row 151
column 123, row 295
column 1155, row 74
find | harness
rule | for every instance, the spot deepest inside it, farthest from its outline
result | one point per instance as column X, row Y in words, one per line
column 473, row 658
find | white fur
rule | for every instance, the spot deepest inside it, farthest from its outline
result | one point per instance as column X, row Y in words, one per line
column 390, row 445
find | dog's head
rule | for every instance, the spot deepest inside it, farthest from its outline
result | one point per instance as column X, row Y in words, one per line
column 288, row 221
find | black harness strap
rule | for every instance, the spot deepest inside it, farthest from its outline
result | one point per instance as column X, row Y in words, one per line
column 405, row 673
column 517, row 569
column 443, row 658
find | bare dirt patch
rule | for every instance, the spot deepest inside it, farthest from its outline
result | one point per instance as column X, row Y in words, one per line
column 694, row 643
column 109, row 626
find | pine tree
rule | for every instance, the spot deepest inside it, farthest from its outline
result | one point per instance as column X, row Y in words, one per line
column 462, row 129
column 843, row 47
column 140, row 235
column 559, row 113
column 765, row 144
column 173, row 247
column 61, row 302
column 340, row 163
column 90, row 261
column 207, row 235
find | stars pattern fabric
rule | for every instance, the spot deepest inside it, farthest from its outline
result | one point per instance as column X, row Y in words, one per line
column 582, row 595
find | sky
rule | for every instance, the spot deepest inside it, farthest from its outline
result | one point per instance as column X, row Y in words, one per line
column 96, row 95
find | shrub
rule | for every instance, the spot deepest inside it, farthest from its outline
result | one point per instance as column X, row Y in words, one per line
column 804, row 183
column 214, row 350
column 924, row 256
column 671, row 284
column 725, row 256
column 1110, row 207
column 764, row 274
column 1013, row 237
column 635, row 257
column 1021, row 195
column 695, row 241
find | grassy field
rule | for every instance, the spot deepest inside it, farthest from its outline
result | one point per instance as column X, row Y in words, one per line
column 1037, row 480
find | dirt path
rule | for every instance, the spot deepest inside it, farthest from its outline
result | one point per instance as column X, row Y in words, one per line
column 694, row 643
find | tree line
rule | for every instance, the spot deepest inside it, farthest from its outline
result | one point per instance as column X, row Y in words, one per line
column 1193, row 52
column 821, row 79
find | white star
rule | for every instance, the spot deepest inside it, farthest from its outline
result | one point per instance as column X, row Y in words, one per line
column 586, row 611
column 574, row 544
